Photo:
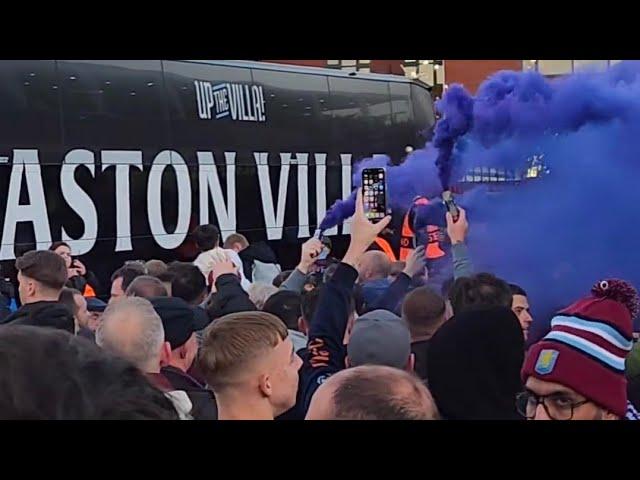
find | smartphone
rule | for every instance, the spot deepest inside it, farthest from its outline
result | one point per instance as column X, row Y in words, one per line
column 374, row 193
column 452, row 208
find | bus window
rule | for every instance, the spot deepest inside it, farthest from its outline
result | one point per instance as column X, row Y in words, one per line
column 30, row 107
column 201, row 117
column 423, row 111
column 298, row 110
column 118, row 103
column 30, row 120
column 401, row 103
column 361, row 114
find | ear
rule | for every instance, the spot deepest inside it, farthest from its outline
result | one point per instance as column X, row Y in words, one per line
column 265, row 385
column 31, row 287
column 411, row 363
column 165, row 354
column 302, row 326
column 610, row 416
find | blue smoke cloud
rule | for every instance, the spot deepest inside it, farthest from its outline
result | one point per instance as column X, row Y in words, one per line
column 555, row 235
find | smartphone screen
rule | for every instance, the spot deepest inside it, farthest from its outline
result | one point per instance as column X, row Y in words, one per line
column 374, row 193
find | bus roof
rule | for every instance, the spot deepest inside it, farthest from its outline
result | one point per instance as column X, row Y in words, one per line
column 332, row 72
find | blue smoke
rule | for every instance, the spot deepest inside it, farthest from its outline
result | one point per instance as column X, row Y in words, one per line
column 557, row 234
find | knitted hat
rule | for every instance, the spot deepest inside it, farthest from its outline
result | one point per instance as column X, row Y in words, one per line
column 587, row 345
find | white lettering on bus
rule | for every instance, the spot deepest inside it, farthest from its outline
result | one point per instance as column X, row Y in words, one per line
column 154, row 199
column 209, row 182
column 25, row 161
column 122, row 159
column 26, row 164
column 79, row 200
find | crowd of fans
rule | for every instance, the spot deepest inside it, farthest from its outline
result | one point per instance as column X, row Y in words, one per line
column 232, row 336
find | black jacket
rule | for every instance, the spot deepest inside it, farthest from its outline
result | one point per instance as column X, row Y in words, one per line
column 256, row 251
column 43, row 314
column 5, row 311
column 325, row 351
column 228, row 298
column 203, row 400
column 420, row 352
column 79, row 282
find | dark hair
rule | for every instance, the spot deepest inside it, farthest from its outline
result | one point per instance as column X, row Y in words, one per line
column 55, row 245
column 66, row 298
column 329, row 271
column 146, row 286
column 187, row 282
column 286, row 306
column 309, row 303
column 207, row 237
column 281, row 278
column 481, row 290
column 423, row 310
column 517, row 290
column 381, row 393
column 128, row 273
column 48, row 374
column 166, row 277
column 45, row 267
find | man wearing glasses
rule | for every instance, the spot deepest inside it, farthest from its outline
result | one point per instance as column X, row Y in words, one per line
column 576, row 372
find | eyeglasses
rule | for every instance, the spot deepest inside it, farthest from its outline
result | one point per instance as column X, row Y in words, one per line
column 558, row 406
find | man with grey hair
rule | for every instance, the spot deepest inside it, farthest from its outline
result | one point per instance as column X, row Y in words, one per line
column 131, row 329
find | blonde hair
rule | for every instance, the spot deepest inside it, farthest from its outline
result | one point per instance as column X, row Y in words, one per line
column 233, row 341
column 236, row 238
column 259, row 293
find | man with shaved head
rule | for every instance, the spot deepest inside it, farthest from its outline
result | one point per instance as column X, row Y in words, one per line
column 372, row 393
column 374, row 269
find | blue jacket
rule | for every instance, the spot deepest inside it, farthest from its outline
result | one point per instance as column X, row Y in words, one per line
column 326, row 352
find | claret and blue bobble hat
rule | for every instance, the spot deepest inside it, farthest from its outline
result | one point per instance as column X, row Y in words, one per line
column 587, row 345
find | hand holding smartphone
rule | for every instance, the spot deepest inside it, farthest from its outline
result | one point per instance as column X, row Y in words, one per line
column 374, row 194
column 452, row 208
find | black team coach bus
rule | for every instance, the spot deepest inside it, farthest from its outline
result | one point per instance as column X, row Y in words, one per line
column 122, row 159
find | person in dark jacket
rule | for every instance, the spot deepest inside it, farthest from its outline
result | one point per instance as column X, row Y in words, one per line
column 79, row 278
column 41, row 276
column 424, row 311
column 259, row 262
column 49, row 374
column 188, row 284
column 7, row 294
column 473, row 365
column 179, row 330
column 229, row 296
column 329, row 328
column 132, row 329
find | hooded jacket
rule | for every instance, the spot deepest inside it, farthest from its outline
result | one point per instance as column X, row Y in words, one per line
column 259, row 263
column 473, row 365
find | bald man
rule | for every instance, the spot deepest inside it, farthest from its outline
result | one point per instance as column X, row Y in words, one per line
column 374, row 268
column 372, row 393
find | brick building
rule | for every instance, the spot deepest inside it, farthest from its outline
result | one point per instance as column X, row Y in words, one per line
column 438, row 73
